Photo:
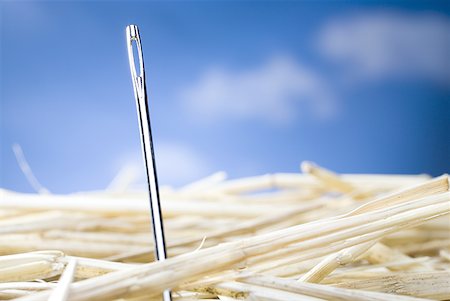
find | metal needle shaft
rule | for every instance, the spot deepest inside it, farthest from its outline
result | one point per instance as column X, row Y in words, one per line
column 140, row 92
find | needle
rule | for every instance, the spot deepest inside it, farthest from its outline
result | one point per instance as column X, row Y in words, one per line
column 140, row 92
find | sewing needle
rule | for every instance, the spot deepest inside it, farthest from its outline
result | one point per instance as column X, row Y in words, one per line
column 140, row 93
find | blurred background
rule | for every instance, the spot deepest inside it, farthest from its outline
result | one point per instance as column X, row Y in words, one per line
column 245, row 87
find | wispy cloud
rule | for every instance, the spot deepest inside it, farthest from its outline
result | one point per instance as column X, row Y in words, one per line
column 176, row 163
column 386, row 44
column 274, row 92
column 180, row 164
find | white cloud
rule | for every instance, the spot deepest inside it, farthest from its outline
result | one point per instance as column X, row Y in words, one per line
column 390, row 44
column 177, row 164
column 274, row 92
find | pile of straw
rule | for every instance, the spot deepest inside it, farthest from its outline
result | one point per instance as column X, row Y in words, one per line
column 314, row 235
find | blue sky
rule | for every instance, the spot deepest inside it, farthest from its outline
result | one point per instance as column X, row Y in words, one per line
column 244, row 87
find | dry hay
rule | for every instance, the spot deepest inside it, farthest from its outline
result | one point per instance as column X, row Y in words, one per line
column 308, row 236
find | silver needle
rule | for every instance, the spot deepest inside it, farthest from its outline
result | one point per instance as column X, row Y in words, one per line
column 140, row 93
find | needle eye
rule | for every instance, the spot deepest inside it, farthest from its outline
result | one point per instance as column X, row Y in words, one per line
column 135, row 57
